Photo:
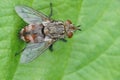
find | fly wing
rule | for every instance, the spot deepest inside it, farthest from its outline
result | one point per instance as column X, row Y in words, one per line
column 32, row 51
column 30, row 15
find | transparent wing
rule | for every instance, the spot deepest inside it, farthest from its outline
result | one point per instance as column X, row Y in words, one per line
column 30, row 15
column 32, row 51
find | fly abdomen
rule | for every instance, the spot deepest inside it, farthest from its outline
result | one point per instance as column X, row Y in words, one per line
column 32, row 33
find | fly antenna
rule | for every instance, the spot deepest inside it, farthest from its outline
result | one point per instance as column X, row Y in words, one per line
column 78, row 27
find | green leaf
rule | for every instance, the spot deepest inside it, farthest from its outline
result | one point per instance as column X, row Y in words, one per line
column 92, row 54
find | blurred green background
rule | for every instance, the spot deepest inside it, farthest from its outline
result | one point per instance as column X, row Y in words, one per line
column 92, row 54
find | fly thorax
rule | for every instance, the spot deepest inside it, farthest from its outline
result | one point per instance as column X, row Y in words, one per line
column 54, row 30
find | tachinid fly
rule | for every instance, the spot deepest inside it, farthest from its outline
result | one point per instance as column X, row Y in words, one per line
column 41, row 32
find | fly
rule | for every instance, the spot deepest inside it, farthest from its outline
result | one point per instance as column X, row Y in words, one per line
column 41, row 32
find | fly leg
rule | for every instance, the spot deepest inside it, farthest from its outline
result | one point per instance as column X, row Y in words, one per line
column 19, row 52
column 64, row 40
column 51, row 10
column 51, row 47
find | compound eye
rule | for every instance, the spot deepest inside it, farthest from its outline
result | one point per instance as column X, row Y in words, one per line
column 68, row 22
column 69, row 34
